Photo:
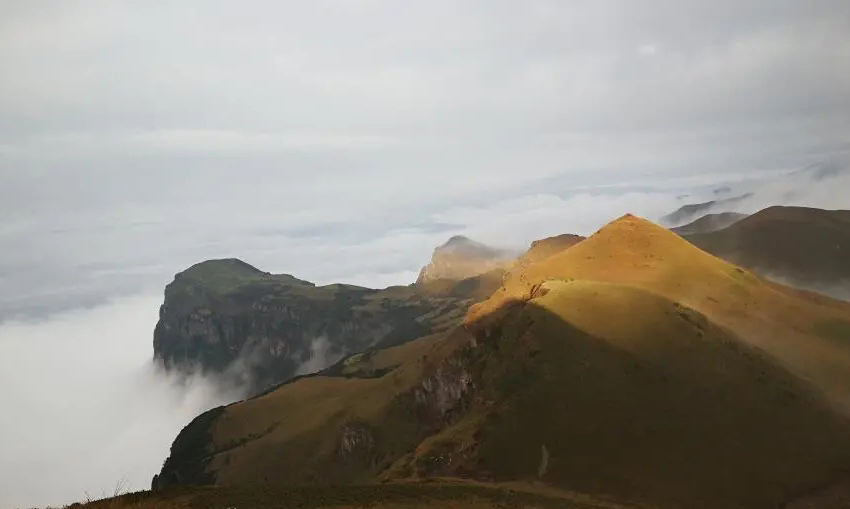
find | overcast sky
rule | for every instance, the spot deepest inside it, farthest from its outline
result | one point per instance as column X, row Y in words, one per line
column 139, row 137
column 342, row 99
column 343, row 141
column 165, row 118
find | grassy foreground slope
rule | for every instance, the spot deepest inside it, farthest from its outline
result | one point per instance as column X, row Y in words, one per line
column 437, row 495
column 631, row 367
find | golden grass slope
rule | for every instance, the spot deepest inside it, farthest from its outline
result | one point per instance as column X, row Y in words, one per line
column 295, row 434
column 809, row 335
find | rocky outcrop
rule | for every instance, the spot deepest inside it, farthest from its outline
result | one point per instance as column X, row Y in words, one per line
column 462, row 258
column 254, row 329
column 355, row 438
column 440, row 393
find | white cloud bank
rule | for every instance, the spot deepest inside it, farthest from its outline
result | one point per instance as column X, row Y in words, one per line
column 83, row 407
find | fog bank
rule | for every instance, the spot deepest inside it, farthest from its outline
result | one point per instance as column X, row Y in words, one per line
column 84, row 408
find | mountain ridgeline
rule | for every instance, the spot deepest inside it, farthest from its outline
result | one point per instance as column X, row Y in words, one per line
column 254, row 329
column 804, row 247
column 627, row 369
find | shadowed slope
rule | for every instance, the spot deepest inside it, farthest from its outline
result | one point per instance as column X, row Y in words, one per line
column 635, row 395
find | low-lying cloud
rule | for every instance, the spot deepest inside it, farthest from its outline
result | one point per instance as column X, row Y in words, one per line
column 821, row 185
column 839, row 289
column 319, row 356
column 85, row 410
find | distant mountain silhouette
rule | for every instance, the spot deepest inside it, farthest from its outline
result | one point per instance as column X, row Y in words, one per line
column 803, row 246
column 690, row 212
column 709, row 223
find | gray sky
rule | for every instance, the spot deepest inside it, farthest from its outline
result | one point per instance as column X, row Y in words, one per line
column 326, row 97
column 139, row 137
column 343, row 141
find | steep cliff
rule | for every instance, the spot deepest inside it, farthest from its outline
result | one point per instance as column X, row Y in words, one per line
column 256, row 329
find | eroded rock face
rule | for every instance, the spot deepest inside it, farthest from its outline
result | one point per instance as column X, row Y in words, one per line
column 355, row 438
column 256, row 329
column 443, row 391
column 462, row 258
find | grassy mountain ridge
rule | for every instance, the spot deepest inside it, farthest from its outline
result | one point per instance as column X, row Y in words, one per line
column 805, row 246
column 782, row 321
column 630, row 366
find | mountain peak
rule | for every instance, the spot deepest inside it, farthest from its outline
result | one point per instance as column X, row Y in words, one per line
column 629, row 249
column 459, row 239
column 460, row 258
column 223, row 275
column 630, row 231
column 631, row 219
column 461, row 243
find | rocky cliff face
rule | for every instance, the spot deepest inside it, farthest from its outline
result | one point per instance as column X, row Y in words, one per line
column 462, row 258
column 256, row 329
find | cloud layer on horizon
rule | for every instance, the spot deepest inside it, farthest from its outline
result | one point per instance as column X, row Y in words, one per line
column 81, row 260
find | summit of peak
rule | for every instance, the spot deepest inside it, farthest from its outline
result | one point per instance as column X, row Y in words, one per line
column 459, row 240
